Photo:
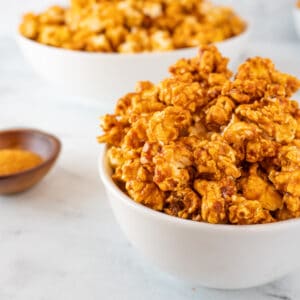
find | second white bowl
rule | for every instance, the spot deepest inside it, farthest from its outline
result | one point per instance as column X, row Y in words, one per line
column 110, row 75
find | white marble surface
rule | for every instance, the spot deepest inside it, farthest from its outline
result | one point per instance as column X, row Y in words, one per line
column 59, row 240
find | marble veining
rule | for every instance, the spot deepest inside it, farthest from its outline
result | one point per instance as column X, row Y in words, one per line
column 59, row 240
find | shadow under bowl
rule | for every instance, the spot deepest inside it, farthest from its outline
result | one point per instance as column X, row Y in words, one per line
column 45, row 145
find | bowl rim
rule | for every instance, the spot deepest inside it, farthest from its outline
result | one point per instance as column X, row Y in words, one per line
column 22, row 39
column 109, row 184
column 51, row 159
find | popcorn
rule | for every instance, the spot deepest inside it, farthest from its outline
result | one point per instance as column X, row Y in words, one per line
column 256, row 186
column 202, row 146
column 272, row 116
column 128, row 26
column 245, row 212
column 214, row 158
column 146, row 193
column 184, row 204
column 172, row 164
column 219, row 113
column 248, row 142
column 98, row 43
column 168, row 124
column 30, row 26
column 213, row 209
column 54, row 35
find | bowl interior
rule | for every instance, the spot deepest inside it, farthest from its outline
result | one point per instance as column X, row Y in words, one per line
column 35, row 141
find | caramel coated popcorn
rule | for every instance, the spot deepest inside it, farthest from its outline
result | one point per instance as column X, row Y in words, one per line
column 204, row 146
column 130, row 26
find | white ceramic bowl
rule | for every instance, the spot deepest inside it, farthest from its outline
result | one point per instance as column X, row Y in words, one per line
column 202, row 254
column 296, row 13
column 109, row 75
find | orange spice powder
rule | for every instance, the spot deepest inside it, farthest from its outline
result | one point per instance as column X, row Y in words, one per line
column 17, row 160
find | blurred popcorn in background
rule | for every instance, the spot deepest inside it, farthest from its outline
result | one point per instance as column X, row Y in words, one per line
column 272, row 19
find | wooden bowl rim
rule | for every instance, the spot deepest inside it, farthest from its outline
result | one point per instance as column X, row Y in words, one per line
column 51, row 159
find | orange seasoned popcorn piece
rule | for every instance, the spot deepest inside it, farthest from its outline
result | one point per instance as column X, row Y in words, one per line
column 30, row 26
column 54, row 15
column 287, row 178
column 247, row 141
column 213, row 207
column 219, row 113
column 136, row 136
column 98, row 43
column 244, row 91
column 262, row 72
column 218, row 79
column 187, row 95
column 114, row 130
column 98, row 18
column 245, row 212
column 152, row 9
column 271, row 116
column 185, row 33
column 146, row 99
column 186, row 69
column 124, row 105
column 135, row 41
column 198, row 130
column 161, row 40
column 116, row 36
column 257, row 187
column 133, row 17
column 168, row 124
column 211, row 61
column 285, row 214
column 288, row 157
column 134, row 170
column 184, row 204
column 296, row 115
column 146, row 193
column 286, row 181
column 209, row 68
column 117, row 156
column 292, row 204
column 148, row 152
column 54, row 35
column 215, row 159
column 172, row 164
column 258, row 150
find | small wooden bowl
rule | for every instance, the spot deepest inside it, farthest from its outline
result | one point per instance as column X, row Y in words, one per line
column 41, row 143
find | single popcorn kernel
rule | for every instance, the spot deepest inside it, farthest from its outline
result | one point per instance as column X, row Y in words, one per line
column 205, row 146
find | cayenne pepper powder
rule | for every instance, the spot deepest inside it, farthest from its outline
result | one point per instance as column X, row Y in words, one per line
column 17, row 160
